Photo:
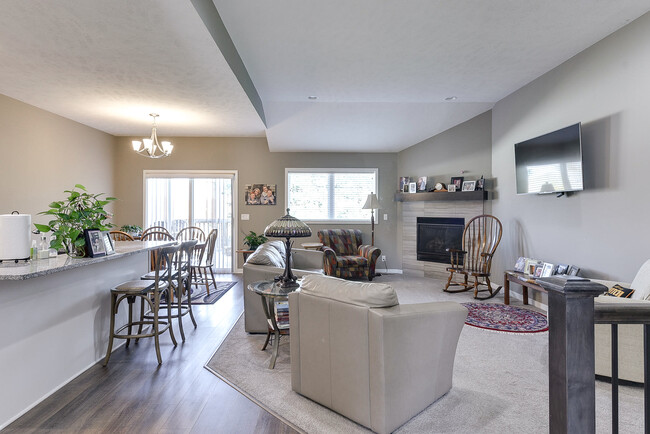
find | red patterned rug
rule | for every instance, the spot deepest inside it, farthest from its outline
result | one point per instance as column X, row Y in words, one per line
column 503, row 318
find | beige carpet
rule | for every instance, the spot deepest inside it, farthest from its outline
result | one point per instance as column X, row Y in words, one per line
column 500, row 381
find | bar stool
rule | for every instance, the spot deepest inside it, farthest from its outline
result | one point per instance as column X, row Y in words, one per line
column 146, row 290
column 180, row 281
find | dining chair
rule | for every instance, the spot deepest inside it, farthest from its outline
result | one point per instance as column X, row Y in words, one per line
column 120, row 236
column 154, row 229
column 205, row 265
column 191, row 233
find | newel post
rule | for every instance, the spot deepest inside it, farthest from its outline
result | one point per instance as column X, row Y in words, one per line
column 571, row 360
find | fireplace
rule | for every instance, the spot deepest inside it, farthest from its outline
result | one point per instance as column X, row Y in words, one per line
column 435, row 235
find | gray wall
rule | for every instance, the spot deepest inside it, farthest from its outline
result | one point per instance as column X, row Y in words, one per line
column 251, row 157
column 44, row 154
column 602, row 229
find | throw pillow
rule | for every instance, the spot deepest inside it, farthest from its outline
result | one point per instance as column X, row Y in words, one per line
column 266, row 255
column 358, row 293
column 618, row 291
column 641, row 283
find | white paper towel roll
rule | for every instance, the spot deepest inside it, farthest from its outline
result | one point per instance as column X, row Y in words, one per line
column 15, row 236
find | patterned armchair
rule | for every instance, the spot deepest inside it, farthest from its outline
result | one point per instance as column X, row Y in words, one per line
column 345, row 254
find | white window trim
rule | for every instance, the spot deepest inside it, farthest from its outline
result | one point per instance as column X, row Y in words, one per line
column 199, row 174
column 374, row 170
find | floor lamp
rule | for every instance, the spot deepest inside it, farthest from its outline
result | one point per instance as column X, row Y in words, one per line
column 372, row 203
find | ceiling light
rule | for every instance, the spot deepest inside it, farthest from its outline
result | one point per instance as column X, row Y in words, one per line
column 150, row 147
column 451, row 98
column 312, row 97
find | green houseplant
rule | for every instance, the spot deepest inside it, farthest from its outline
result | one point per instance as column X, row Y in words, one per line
column 132, row 229
column 80, row 210
column 253, row 241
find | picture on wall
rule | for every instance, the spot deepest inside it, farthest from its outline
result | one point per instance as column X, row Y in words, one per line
column 404, row 182
column 260, row 194
column 458, row 182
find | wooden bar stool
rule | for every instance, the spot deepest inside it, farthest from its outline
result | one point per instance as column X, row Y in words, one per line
column 149, row 292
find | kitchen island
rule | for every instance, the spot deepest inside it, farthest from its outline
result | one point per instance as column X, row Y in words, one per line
column 54, row 317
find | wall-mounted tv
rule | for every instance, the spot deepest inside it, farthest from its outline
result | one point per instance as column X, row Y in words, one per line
column 551, row 163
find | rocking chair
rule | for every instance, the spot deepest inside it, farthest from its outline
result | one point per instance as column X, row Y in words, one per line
column 481, row 238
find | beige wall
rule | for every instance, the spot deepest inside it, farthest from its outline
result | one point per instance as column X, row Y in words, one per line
column 42, row 154
column 255, row 164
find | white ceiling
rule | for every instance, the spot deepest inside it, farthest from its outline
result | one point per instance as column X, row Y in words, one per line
column 381, row 70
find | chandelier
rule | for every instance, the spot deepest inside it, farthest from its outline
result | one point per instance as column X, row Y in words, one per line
column 150, row 147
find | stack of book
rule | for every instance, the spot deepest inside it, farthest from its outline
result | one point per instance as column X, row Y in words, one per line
column 282, row 314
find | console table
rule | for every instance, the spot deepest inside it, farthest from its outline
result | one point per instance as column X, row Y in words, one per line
column 522, row 279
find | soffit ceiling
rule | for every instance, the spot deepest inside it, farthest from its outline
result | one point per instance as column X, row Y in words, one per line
column 380, row 70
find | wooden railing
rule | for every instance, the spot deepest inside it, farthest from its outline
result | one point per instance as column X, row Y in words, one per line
column 572, row 315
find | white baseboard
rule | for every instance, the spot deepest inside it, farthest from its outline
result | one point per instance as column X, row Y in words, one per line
column 389, row 271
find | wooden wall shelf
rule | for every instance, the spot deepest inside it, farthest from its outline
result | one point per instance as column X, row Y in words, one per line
column 442, row 195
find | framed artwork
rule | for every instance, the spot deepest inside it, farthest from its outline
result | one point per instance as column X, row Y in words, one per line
column 403, row 183
column 108, row 243
column 458, row 182
column 561, row 269
column 573, row 270
column 94, row 243
column 469, row 185
column 422, row 183
column 412, row 187
column 547, row 270
column 451, row 187
column 520, row 265
column 480, row 184
column 538, row 271
column 260, row 194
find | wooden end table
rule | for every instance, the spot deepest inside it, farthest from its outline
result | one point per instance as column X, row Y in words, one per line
column 270, row 292
column 245, row 253
column 525, row 280
column 312, row 246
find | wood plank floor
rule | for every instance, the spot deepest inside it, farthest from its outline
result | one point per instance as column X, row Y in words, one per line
column 134, row 394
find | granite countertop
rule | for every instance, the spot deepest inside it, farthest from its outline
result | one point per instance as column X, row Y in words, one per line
column 43, row 267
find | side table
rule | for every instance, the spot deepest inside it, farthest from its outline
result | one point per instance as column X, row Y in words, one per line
column 312, row 246
column 526, row 281
column 270, row 292
column 245, row 253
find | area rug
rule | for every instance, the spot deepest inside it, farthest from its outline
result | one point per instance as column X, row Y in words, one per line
column 200, row 295
column 505, row 318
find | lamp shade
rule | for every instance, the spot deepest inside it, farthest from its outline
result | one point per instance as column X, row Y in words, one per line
column 371, row 202
column 287, row 227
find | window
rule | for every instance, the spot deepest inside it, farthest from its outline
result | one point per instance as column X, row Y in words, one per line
column 330, row 194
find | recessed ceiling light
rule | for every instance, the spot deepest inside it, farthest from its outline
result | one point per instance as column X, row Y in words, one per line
column 312, row 97
column 451, row 98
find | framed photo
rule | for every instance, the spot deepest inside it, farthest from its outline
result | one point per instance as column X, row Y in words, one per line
column 547, row 270
column 422, row 183
column 412, row 187
column 406, row 188
column 458, row 182
column 573, row 270
column 260, row 194
column 480, row 184
column 451, row 187
column 108, row 243
column 538, row 271
column 520, row 265
column 531, row 266
column 469, row 185
column 561, row 269
column 94, row 243
column 403, row 183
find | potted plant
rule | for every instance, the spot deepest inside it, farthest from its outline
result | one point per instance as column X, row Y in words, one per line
column 253, row 241
column 133, row 230
column 81, row 210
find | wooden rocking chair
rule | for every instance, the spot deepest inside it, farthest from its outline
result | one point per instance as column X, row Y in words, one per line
column 481, row 238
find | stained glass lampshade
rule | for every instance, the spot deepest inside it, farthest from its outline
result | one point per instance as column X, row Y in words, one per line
column 287, row 227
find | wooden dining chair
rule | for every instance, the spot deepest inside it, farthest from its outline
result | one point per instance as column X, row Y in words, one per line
column 205, row 265
column 191, row 233
column 156, row 236
column 120, row 236
column 481, row 238
column 154, row 229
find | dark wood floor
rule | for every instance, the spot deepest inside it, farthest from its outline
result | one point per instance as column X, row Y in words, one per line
column 133, row 394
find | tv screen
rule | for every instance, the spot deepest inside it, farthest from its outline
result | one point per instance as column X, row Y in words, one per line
column 551, row 163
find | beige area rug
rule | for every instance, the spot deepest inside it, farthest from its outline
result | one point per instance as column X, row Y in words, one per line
column 500, row 381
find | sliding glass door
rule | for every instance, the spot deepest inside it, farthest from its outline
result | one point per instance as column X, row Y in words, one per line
column 176, row 200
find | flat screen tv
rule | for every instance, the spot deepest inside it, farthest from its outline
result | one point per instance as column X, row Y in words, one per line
column 551, row 163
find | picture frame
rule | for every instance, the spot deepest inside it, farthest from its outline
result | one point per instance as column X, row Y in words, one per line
column 573, row 270
column 451, row 188
column 108, row 243
column 480, row 184
column 94, row 243
column 458, row 182
column 260, row 194
column 538, row 271
column 412, row 187
column 547, row 270
column 469, row 185
column 406, row 188
column 561, row 269
column 531, row 266
column 520, row 265
column 422, row 183
column 403, row 183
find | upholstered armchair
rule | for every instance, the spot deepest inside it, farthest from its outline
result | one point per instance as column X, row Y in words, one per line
column 357, row 351
column 345, row 254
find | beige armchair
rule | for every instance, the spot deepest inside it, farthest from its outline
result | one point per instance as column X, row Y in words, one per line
column 357, row 351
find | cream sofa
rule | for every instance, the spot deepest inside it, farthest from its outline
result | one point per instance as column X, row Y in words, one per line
column 357, row 351
column 630, row 336
column 263, row 265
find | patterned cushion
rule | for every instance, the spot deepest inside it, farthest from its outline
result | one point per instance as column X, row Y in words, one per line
column 342, row 241
column 351, row 261
column 619, row 291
